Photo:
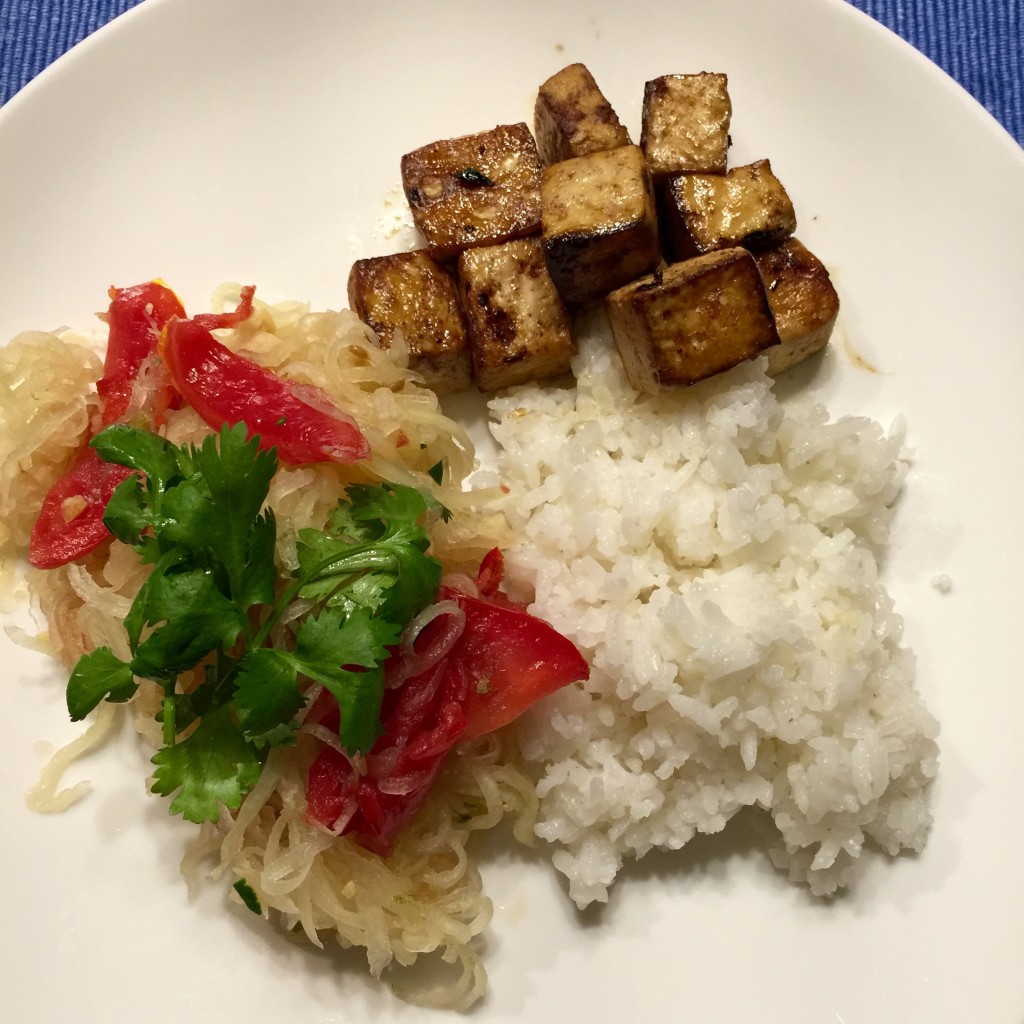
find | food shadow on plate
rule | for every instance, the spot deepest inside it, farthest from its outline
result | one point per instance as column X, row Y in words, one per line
column 741, row 850
column 282, row 956
column 813, row 372
column 745, row 840
column 706, row 858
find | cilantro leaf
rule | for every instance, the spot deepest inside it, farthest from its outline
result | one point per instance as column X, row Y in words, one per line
column 267, row 694
column 215, row 765
column 141, row 450
column 345, row 655
column 373, row 509
column 359, row 695
column 335, row 571
column 391, row 504
column 255, row 583
column 237, row 471
column 185, row 512
column 402, row 515
column 248, row 896
column 127, row 514
column 379, row 534
column 197, row 620
column 215, row 689
column 238, row 476
column 139, row 614
column 98, row 675
column 332, row 638
column 417, row 577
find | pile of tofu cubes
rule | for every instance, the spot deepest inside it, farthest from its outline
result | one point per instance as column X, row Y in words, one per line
column 695, row 262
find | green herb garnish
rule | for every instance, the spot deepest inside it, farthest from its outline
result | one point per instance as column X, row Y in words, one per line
column 248, row 894
column 215, row 595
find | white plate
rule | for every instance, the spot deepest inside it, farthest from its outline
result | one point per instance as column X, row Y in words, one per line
column 259, row 140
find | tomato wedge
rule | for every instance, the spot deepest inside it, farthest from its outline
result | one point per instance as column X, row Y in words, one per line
column 422, row 721
column 299, row 421
column 70, row 522
column 503, row 661
column 135, row 317
column 512, row 660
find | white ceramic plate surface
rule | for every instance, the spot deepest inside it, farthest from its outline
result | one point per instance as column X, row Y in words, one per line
column 259, row 140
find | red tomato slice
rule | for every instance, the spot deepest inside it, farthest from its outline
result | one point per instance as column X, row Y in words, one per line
column 70, row 522
column 330, row 787
column 223, row 387
column 422, row 721
column 504, row 661
column 136, row 316
column 64, row 532
column 512, row 660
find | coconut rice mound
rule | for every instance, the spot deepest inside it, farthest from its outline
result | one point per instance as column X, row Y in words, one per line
column 714, row 554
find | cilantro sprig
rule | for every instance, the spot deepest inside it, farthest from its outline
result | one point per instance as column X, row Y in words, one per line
column 214, row 596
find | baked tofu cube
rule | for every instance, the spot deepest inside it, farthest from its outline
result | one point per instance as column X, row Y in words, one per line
column 685, row 124
column 600, row 228
column 474, row 190
column 748, row 207
column 573, row 118
column 411, row 293
column 691, row 320
column 803, row 300
column 519, row 330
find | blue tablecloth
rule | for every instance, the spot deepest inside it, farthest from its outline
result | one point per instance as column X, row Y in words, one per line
column 979, row 42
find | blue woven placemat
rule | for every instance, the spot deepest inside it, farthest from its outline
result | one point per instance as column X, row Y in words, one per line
column 980, row 43
column 34, row 33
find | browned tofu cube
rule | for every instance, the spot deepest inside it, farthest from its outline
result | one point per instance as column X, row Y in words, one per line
column 573, row 118
column 803, row 300
column 411, row 293
column 748, row 207
column 685, row 124
column 474, row 190
column 600, row 228
column 519, row 330
column 691, row 320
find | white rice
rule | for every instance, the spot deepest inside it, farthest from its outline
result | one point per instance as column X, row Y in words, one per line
column 714, row 554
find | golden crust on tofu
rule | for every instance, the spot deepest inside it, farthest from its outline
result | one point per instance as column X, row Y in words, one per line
column 474, row 190
column 691, row 320
column 573, row 118
column 600, row 227
column 411, row 293
column 748, row 206
column 685, row 125
column 519, row 330
column 803, row 300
